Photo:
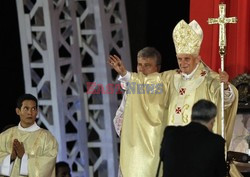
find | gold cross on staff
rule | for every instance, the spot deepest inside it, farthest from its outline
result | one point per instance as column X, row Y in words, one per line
column 222, row 20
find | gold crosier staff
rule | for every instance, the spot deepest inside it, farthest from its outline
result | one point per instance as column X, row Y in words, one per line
column 222, row 21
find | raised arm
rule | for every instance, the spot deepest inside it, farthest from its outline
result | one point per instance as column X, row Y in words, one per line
column 116, row 63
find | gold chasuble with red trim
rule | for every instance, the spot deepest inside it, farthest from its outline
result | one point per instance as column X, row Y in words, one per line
column 148, row 113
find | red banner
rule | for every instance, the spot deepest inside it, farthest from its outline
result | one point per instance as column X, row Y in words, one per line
column 237, row 58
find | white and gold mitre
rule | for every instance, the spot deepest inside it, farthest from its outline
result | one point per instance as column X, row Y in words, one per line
column 187, row 37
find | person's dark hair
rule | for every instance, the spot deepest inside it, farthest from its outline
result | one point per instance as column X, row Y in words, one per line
column 150, row 52
column 61, row 164
column 24, row 97
column 203, row 110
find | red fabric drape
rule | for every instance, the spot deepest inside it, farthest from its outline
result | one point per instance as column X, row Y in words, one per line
column 237, row 58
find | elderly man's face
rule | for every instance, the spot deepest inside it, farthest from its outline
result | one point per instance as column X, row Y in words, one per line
column 187, row 62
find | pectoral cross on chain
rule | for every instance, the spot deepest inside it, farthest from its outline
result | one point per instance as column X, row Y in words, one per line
column 222, row 20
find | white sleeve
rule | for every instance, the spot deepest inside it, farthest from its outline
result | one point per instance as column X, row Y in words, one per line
column 6, row 167
column 123, row 85
column 24, row 165
column 229, row 97
column 119, row 116
column 125, row 78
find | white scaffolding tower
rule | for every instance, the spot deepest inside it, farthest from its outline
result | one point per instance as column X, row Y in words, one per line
column 65, row 45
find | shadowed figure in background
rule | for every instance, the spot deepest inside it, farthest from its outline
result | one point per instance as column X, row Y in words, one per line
column 63, row 169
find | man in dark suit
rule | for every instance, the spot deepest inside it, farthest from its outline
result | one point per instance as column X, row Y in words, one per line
column 194, row 150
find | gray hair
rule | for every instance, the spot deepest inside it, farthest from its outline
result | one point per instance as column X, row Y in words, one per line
column 203, row 110
column 150, row 52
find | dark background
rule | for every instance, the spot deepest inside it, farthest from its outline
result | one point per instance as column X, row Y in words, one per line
column 150, row 23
